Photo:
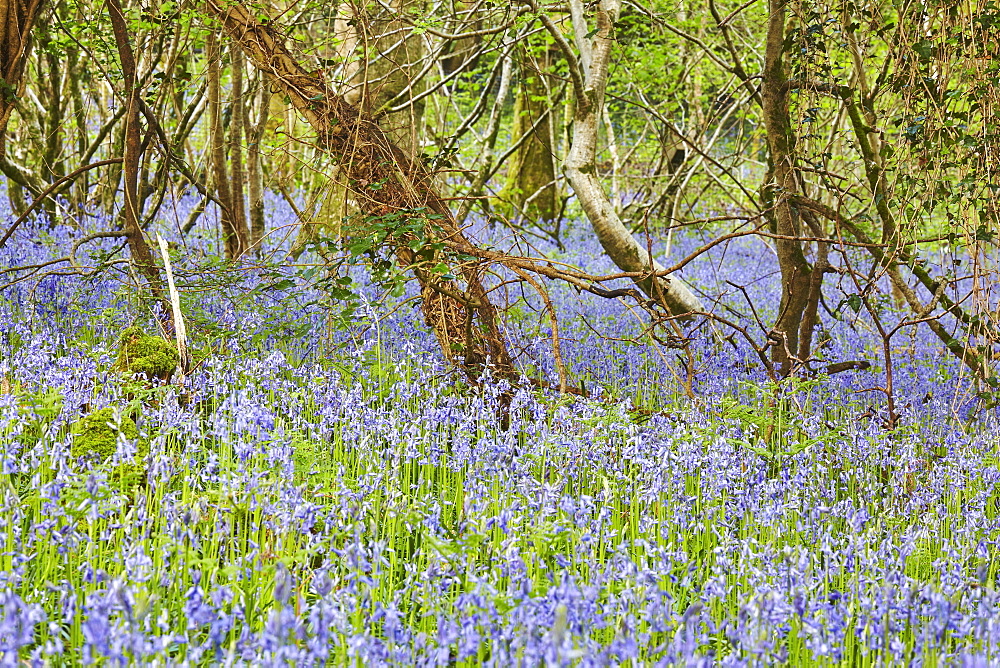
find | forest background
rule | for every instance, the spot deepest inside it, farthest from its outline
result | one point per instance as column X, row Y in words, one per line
column 487, row 174
column 818, row 129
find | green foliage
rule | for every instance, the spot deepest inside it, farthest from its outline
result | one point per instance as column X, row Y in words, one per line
column 374, row 240
column 46, row 403
column 772, row 426
column 40, row 408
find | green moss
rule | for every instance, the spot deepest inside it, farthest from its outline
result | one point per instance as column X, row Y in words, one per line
column 96, row 435
column 151, row 356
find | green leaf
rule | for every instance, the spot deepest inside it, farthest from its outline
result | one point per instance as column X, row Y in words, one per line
column 280, row 285
column 359, row 246
column 923, row 49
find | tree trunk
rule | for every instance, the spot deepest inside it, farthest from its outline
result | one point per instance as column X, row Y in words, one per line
column 81, row 187
column 17, row 18
column 237, row 131
column 55, row 113
column 780, row 183
column 581, row 170
column 390, row 79
column 220, row 176
column 141, row 254
column 48, row 121
column 382, row 59
column 255, row 174
column 464, row 321
column 531, row 170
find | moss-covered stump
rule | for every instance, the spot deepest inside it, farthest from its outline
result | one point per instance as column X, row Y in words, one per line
column 95, row 439
column 95, row 436
column 150, row 356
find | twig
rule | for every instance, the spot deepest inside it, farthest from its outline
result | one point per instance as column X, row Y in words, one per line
column 51, row 189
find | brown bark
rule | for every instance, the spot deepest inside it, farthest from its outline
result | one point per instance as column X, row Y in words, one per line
column 237, row 131
column 966, row 354
column 465, row 322
column 17, row 18
column 142, row 256
column 781, row 182
column 220, row 174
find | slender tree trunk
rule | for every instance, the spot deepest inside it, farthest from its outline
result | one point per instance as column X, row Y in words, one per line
column 55, row 111
column 590, row 81
column 255, row 174
column 810, row 315
column 487, row 153
column 464, row 321
column 891, row 254
column 237, row 131
column 780, row 183
column 109, row 186
column 141, row 254
column 220, row 176
column 17, row 18
column 81, row 187
column 50, row 94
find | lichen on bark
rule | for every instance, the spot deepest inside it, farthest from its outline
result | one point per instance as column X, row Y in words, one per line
column 531, row 173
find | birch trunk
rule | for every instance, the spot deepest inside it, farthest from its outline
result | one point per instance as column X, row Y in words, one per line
column 581, row 170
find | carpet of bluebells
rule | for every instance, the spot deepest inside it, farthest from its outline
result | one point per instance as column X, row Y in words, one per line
column 320, row 492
